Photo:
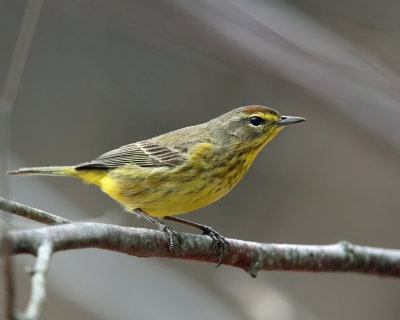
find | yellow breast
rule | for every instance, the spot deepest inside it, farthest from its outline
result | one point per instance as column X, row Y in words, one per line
column 162, row 191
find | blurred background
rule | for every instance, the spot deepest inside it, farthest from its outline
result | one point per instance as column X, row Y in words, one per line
column 81, row 77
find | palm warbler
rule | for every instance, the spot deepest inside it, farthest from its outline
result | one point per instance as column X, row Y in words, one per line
column 181, row 170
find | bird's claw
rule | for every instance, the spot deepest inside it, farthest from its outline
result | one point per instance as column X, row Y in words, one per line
column 221, row 245
column 174, row 237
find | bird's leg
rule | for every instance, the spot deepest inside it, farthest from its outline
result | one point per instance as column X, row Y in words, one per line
column 219, row 240
column 173, row 235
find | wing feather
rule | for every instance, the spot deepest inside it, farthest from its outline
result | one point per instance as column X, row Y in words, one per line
column 143, row 154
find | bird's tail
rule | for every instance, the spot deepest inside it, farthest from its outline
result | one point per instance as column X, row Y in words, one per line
column 46, row 171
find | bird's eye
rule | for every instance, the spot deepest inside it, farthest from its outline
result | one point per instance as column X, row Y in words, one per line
column 256, row 121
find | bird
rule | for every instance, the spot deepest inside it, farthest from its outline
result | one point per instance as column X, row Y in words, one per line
column 181, row 170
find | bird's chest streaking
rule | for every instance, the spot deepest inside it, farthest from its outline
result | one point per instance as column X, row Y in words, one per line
column 206, row 176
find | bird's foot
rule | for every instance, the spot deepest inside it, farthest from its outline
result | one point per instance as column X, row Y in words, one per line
column 220, row 243
column 174, row 237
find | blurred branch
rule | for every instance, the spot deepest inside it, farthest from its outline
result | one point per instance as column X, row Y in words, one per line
column 38, row 291
column 256, row 35
column 20, row 54
column 250, row 256
column 7, row 102
column 6, row 253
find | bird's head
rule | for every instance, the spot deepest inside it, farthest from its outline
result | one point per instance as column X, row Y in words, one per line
column 251, row 126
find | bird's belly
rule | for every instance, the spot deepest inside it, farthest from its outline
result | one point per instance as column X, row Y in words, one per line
column 183, row 199
column 163, row 192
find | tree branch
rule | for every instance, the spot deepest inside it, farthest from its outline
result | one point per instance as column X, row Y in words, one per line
column 250, row 256
column 31, row 213
column 38, row 279
column 6, row 254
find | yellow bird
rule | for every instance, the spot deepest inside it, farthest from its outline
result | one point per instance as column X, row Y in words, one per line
column 181, row 170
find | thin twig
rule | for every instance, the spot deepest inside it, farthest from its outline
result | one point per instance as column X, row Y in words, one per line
column 31, row 213
column 38, row 280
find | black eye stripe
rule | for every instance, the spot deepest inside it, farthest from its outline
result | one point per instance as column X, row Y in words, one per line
column 256, row 121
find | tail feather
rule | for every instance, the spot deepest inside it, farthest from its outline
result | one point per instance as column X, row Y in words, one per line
column 45, row 171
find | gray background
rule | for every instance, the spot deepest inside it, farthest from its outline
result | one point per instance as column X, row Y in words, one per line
column 100, row 74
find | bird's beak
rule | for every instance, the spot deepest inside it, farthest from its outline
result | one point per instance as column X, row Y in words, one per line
column 286, row 120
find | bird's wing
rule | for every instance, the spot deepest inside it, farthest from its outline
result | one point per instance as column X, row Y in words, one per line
column 143, row 154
